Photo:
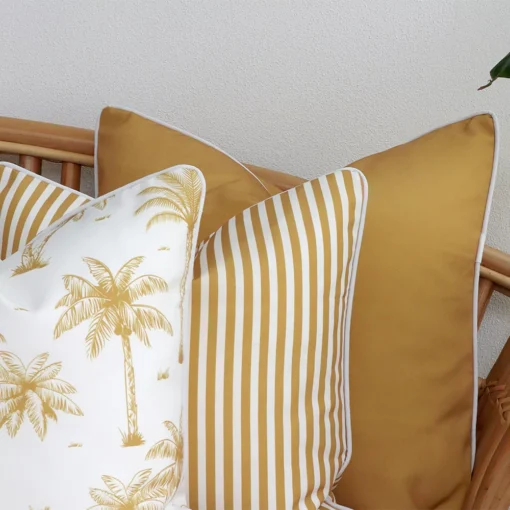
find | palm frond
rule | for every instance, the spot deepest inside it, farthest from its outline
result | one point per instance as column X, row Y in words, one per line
column 10, row 406
column 100, row 330
column 164, row 449
column 137, row 482
column 13, row 423
column 152, row 318
column 2, row 339
column 13, row 363
column 5, row 375
column 153, row 190
column 163, row 217
column 35, row 413
column 152, row 504
column 160, row 485
column 174, row 179
column 9, row 377
column 78, row 288
column 145, row 285
column 58, row 385
column 36, row 364
column 58, row 401
column 116, row 486
column 80, row 311
column 101, row 272
column 130, row 319
column 49, row 372
column 193, row 192
column 163, row 203
column 174, row 432
column 157, row 487
column 157, row 190
column 126, row 272
column 176, row 478
column 105, row 498
column 8, row 390
column 49, row 412
column 66, row 300
column 164, row 191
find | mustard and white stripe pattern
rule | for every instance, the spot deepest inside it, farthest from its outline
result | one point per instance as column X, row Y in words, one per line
column 28, row 205
column 268, row 423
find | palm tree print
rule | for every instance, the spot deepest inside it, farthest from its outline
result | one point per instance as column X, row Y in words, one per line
column 136, row 495
column 32, row 256
column 171, row 449
column 32, row 391
column 2, row 339
column 110, row 303
column 180, row 198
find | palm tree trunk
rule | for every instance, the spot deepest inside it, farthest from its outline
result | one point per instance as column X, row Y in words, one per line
column 129, row 382
column 189, row 247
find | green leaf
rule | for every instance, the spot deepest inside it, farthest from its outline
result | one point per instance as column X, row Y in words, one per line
column 500, row 70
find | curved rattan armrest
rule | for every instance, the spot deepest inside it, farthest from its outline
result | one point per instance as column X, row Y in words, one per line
column 46, row 135
column 490, row 485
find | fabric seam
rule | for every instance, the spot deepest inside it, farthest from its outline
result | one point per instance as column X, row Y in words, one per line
column 161, row 123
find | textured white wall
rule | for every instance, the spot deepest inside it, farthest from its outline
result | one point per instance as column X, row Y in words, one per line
column 304, row 86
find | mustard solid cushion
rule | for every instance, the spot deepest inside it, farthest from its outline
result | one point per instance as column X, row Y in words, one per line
column 130, row 146
column 413, row 365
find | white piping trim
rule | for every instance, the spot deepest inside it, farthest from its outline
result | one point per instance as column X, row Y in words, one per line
column 481, row 244
column 157, row 121
column 43, row 179
column 347, row 337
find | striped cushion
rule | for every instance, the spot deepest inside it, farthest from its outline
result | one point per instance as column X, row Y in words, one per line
column 30, row 203
column 268, row 422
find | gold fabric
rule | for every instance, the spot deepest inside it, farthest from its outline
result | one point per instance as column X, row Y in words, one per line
column 268, row 424
column 412, row 376
column 130, row 146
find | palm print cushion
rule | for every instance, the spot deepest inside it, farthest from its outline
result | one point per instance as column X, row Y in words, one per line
column 93, row 315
